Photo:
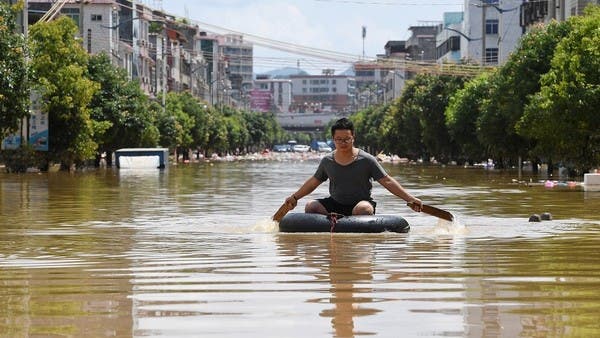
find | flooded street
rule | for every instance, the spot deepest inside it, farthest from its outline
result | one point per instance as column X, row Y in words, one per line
column 190, row 251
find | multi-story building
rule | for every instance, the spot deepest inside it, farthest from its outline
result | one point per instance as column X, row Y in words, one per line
column 142, row 62
column 159, row 51
column 271, row 95
column 448, row 39
column 490, row 30
column 420, row 47
column 382, row 80
column 532, row 12
column 316, row 99
column 238, row 56
column 208, row 47
column 323, row 93
column 97, row 21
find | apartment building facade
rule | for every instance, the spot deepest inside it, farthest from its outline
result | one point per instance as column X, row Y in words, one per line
column 271, row 95
column 532, row 12
column 163, row 53
column 238, row 58
column 326, row 93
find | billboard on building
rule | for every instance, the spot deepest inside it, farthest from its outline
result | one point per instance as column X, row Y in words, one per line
column 260, row 100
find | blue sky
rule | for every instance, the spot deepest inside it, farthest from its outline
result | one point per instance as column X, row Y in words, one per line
column 325, row 24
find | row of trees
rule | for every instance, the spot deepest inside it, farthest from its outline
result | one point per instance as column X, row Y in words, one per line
column 542, row 105
column 92, row 107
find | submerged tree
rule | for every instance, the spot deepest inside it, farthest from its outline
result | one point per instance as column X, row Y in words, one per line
column 417, row 123
column 563, row 115
column 14, row 91
column 121, row 107
column 59, row 66
column 511, row 88
column 462, row 114
column 402, row 127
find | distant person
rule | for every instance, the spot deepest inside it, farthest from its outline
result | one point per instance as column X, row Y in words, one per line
column 350, row 172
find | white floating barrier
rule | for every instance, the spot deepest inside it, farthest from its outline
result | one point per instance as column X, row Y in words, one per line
column 142, row 158
column 591, row 182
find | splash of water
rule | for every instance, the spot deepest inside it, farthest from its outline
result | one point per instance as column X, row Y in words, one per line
column 265, row 225
column 444, row 227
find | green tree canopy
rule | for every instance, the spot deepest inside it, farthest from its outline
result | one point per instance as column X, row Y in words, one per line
column 122, row 106
column 368, row 124
column 462, row 116
column 14, row 91
column 511, row 88
column 563, row 115
column 59, row 66
column 175, row 124
column 402, row 126
column 416, row 125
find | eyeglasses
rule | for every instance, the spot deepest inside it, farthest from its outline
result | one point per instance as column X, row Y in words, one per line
column 343, row 140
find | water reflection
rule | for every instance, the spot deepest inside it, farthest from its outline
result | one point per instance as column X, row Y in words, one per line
column 179, row 253
column 47, row 291
column 346, row 267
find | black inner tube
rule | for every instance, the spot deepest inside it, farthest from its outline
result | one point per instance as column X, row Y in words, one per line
column 301, row 222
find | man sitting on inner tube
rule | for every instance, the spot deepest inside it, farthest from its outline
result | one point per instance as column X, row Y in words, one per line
column 350, row 172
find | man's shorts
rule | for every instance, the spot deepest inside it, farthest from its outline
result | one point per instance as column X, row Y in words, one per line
column 332, row 206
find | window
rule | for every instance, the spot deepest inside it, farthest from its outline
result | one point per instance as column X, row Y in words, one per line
column 365, row 73
column 452, row 44
column 96, row 17
column 491, row 26
column 72, row 13
column 491, row 55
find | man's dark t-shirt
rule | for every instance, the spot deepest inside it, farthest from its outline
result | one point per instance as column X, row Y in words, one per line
column 352, row 183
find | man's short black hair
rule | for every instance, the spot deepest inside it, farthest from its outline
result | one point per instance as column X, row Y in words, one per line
column 342, row 124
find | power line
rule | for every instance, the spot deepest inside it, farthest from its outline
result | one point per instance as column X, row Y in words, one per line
column 333, row 59
column 392, row 3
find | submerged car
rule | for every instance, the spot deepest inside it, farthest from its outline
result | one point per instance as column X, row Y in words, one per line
column 300, row 148
column 281, row 148
column 323, row 147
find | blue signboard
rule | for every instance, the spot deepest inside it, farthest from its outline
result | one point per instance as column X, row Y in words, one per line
column 37, row 132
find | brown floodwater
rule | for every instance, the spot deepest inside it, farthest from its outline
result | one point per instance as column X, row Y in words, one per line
column 190, row 251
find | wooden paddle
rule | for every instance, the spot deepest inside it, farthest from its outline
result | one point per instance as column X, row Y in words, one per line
column 433, row 211
column 282, row 211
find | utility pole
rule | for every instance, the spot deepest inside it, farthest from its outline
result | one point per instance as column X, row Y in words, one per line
column 364, row 35
column 164, row 76
column 483, row 33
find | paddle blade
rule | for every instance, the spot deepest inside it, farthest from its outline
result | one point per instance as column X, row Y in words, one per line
column 433, row 211
column 282, row 211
